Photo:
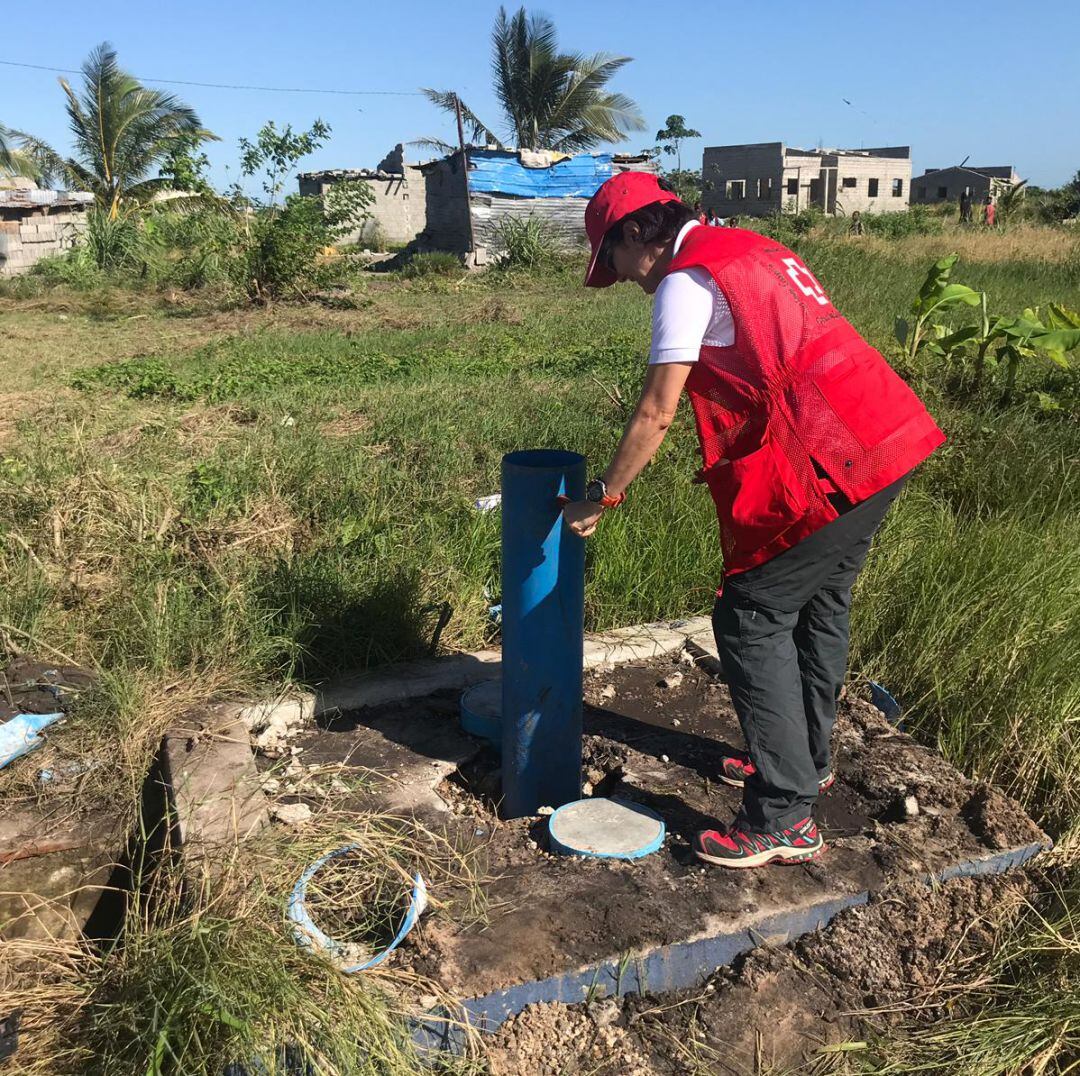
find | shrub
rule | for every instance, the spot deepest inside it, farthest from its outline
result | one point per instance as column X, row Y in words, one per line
column 918, row 220
column 112, row 243
column 526, row 243
column 433, row 263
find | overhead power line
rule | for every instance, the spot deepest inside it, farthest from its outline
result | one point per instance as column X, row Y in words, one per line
column 229, row 86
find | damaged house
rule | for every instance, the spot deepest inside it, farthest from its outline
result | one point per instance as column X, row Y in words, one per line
column 437, row 205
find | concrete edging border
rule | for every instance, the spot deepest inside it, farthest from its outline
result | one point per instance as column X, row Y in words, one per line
column 415, row 679
column 669, row 967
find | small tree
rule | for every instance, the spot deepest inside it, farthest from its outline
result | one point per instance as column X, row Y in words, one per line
column 283, row 240
column 670, row 138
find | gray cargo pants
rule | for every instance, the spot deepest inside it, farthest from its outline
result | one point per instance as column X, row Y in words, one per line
column 782, row 633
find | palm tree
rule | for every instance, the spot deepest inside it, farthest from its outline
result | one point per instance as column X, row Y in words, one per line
column 15, row 161
column 1010, row 200
column 121, row 130
column 550, row 100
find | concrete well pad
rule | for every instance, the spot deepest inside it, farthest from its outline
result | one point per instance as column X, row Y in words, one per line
column 564, row 928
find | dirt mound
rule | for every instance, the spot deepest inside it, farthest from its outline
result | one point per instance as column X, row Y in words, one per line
column 555, row 1040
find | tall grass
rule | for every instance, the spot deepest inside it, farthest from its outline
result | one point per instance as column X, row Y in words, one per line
column 206, row 977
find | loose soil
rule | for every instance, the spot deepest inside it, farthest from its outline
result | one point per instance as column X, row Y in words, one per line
column 870, row 968
column 896, row 814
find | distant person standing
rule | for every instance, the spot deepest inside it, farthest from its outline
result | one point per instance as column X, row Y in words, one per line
column 989, row 210
column 856, row 224
column 965, row 206
column 699, row 213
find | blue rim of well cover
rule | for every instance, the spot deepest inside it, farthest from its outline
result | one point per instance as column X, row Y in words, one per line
column 310, row 936
column 637, row 853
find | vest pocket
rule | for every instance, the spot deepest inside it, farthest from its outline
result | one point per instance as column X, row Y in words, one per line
column 757, row 496
column 867, row 396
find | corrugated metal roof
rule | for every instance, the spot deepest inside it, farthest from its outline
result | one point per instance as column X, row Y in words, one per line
column 26, row 199
column 501, row 172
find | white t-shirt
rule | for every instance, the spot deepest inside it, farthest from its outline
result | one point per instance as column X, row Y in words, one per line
column 689, row 310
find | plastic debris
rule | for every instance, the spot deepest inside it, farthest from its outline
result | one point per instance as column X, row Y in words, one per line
column 671, row 681
column 21, row 734
column 486, row 504
column 310, row 936
column 886, row 703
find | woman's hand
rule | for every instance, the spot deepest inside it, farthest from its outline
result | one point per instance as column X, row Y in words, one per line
column 582, row 516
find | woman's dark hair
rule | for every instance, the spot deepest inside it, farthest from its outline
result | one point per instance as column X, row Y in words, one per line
column 659, row 222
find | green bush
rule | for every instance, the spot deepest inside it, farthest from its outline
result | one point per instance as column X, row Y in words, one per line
column 918, row 220
column 433, row 263
column 112, row 243
column 527, row 243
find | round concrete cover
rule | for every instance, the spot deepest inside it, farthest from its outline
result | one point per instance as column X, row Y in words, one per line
column 481, row 710
column 608, row 829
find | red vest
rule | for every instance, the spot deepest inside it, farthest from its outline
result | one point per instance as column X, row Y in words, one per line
column 798, row 387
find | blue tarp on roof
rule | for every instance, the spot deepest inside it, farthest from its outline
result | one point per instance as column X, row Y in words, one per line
column 499, row 172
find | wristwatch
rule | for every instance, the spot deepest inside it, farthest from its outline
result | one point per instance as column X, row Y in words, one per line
column 596, row 491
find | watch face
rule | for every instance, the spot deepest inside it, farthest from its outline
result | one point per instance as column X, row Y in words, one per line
column 595, row 491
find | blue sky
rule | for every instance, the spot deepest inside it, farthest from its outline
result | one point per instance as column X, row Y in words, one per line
column 981, row 80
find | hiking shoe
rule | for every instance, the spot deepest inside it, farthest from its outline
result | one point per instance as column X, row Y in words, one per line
column 735, row 769
column 738, row 848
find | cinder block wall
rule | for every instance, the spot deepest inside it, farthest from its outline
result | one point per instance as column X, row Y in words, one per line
column 926, row 189
column 750, row 163
column 397, row 212
column 860, row 171
column 27, row 236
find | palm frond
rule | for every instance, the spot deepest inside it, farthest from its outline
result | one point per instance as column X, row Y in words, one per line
column 437, row 144
column 554, row 100
column 476, row 129
column 41, row 161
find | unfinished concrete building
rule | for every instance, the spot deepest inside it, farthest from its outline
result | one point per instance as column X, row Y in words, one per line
column 762, row 178
column 947, row 184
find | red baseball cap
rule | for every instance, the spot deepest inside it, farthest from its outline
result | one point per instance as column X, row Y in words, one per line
column 616, row 198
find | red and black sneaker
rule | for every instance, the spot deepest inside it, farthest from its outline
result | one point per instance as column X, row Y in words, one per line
column 740, row 848
column 735, row 769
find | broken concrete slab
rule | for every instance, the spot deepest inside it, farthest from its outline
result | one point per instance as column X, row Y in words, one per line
column 215, row 792
column 54, row 870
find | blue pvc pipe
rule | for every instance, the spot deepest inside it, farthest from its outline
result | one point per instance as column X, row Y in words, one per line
column 543, row 599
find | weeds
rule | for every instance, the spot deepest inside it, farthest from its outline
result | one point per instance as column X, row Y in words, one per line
column 432, row 264
column 526, row 243
column 207, row 978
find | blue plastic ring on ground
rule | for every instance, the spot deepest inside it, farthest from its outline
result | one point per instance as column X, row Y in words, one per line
column 311, row 937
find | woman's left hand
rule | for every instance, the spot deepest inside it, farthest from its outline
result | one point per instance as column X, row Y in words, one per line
column 582, row 516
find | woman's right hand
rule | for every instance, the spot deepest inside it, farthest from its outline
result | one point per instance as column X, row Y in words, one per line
column 582, row 517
